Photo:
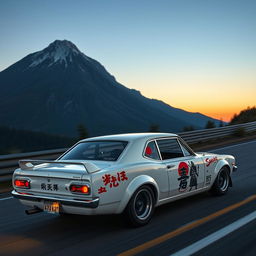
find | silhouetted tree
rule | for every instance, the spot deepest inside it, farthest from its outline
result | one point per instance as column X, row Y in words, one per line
column 239, row 132
column 221, row 124
column 245, row 116
column 154, row 128
column 188, row 128
column 82, row 132
column 16, row 141
column 210, row 124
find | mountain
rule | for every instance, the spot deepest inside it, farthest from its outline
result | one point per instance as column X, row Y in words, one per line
column 56, row 89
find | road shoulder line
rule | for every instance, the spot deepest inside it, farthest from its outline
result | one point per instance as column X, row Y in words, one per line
column 185, row 228
column 6, row 198
column 197, row 246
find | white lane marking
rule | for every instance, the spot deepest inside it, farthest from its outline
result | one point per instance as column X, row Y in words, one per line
column 6, row 198
column 233, row 146
column 197, row 246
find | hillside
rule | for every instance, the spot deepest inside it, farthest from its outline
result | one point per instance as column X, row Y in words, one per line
column 59, row 87
column 16, row 141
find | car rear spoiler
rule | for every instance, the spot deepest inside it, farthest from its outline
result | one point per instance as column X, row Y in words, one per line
column 30, row 164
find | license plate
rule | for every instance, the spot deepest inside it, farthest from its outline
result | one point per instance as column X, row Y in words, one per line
column 52, row 207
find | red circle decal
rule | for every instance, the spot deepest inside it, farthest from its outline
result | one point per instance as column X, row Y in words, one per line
column 148, row 150
column 183, row 167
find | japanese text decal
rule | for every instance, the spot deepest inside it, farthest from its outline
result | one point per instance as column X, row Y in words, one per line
column 112, row 181
column 183, row 171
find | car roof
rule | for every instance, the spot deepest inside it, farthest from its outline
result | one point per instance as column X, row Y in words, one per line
column 131, row 136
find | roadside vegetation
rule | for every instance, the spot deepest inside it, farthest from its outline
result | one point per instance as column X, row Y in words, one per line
column 82, row 132
column 17, row 141
column 245, row 116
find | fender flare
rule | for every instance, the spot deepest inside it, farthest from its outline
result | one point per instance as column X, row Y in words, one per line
column 133, row 186
column 218, row 167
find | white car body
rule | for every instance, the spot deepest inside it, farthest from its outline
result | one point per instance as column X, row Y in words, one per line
column 112, row 183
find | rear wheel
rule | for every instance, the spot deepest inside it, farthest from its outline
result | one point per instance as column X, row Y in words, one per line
column 141, row 206
column 222, row 182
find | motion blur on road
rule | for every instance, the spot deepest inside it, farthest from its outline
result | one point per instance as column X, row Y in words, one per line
column 46, row 234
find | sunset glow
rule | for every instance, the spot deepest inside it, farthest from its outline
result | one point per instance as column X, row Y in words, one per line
column 196, row 55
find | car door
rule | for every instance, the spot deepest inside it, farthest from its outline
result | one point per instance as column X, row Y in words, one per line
column 185, row 169
column 156, row 171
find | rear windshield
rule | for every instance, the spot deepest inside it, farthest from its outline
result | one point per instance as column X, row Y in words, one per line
column 96, row 150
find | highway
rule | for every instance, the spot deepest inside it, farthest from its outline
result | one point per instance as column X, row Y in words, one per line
column 199, row 225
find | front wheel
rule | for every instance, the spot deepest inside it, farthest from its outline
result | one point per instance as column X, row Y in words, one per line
column 141, row 206
column 222, row 182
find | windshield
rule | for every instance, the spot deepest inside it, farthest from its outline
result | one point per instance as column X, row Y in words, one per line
column 96, row 150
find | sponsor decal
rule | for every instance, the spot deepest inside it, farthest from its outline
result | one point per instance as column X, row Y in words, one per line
column 112, row 181
column 209, row 161
column 208, row 180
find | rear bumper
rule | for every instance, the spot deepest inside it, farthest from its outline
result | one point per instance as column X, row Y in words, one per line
column 69, row 202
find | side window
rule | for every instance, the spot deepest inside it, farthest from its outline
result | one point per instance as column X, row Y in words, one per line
column 186, row 152
column 151, row 151
column 169, row 148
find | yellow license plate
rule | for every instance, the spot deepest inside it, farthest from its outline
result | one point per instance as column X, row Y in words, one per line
column 52, row 207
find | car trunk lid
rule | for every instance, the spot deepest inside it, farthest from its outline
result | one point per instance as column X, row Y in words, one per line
column 54, row 177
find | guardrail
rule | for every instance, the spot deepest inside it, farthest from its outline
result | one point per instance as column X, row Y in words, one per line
column 9, row 162
column 215, row 133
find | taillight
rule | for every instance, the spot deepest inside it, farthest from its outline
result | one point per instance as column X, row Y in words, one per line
column 83, row 189
column 22, row 183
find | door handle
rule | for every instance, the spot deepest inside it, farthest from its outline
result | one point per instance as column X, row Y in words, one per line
column 169, row 166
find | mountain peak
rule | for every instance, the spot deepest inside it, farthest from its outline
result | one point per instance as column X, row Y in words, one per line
column 62, row 44
column 59, row 51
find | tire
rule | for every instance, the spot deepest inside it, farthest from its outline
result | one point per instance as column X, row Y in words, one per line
column 221, row 183
column 140, row 208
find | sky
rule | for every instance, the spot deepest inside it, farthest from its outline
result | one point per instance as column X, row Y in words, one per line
column 198, row 55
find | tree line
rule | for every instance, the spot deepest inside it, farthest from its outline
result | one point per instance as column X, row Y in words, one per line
column 16, row 141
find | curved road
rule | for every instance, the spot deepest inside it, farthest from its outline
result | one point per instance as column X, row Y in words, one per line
column 202, row 224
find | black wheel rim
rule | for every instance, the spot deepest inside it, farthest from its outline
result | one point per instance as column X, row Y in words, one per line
column 143, row 204
column 223, row 180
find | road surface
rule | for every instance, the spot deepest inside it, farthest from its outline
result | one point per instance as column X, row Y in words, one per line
column 199, row 225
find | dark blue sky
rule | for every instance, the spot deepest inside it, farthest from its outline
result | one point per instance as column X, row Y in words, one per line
column 184, row 46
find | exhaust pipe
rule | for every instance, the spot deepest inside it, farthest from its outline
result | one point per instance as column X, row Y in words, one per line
column 33, row 211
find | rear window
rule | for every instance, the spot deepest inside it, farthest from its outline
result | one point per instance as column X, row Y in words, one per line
column 96, row 150
column 151, row 151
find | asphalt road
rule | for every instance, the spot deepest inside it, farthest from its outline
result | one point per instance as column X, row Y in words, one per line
column 190, row 223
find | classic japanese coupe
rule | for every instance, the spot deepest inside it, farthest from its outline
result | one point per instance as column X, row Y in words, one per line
column 126, row 173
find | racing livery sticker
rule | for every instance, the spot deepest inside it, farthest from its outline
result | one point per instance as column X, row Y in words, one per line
column 183, row 170
column 112, row 181
column 208, row 180
column 193, row 176
column 209, row 161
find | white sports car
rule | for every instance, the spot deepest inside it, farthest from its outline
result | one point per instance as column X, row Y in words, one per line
column 126, row 173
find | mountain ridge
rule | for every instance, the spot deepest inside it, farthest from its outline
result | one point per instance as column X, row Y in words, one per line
column 71, row 88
